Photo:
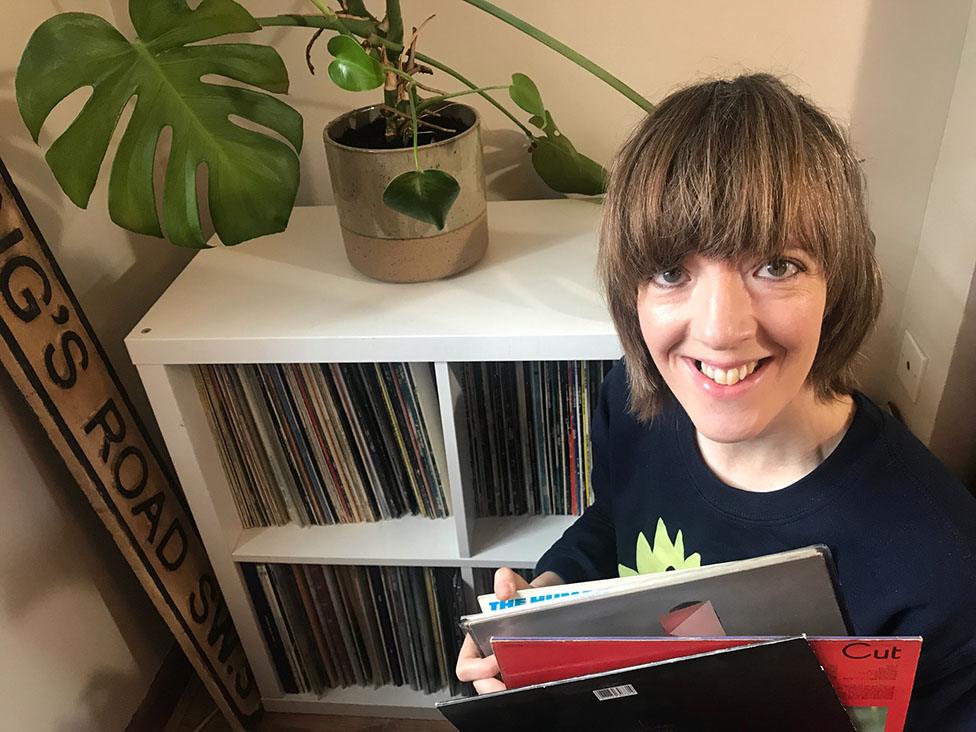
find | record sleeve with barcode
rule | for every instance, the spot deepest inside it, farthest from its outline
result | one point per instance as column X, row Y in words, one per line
column 770, row 686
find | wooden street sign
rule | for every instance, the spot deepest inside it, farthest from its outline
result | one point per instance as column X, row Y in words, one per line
column 57, row 362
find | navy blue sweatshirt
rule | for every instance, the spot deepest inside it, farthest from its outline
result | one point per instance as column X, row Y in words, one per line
column 901, row 529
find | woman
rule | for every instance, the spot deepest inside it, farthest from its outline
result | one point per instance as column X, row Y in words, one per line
column 738, row 265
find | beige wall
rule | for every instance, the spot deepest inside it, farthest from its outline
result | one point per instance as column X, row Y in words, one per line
column 941, row 281
column 906, row 83
column 79, row 640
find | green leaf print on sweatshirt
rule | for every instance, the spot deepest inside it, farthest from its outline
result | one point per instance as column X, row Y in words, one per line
column 663, row 556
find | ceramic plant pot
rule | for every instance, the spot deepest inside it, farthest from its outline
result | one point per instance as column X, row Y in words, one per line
column 390, row 246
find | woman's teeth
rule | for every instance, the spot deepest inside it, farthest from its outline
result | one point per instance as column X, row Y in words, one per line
column 727, row 376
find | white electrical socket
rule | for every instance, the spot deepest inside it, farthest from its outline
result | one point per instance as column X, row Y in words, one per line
column 911, row 366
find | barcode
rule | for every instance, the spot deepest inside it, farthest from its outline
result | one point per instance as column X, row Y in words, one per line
column 614, row 692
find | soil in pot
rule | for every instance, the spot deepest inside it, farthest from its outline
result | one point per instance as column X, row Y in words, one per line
column 372, row 136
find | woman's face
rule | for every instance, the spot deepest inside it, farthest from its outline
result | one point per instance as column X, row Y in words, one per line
column 735, row 341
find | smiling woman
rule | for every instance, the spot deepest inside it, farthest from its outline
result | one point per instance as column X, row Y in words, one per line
column 735, row 344
column 737, row 261
column 748, row 173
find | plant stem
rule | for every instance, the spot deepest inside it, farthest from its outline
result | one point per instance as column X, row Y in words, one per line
column 362, row 28
column 424, row 123
column 562, row 48
column 394, row 32
column 471, row 85
column 322, row 8
column 365, row 29
column 357, row 7
column 413, row 121
column 430, row 101
column 328, row 12
column 395, row 20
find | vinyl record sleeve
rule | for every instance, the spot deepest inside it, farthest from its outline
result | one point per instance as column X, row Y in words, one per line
column 315, row 626
column 780, row 594
column 329, row 621
column 269, row 628
column 275, row 400
column 374, row 391
column 321, row 452
column 353, row 459
column 772, row 686
column 873, row 677
column 284, row 629
column 390, row 480
column 244, row 433
column 405, row 441
column 421, row 391
column 227, row 448
column 374, row 577
column 332, row 378
column 283, row 582
column 280, row 474
column 347, row 628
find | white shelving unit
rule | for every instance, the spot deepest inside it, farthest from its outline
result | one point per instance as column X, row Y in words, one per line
column 293, row 297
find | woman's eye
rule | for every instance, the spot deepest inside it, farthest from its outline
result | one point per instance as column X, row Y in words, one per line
column 669, row 277
column 778, row 269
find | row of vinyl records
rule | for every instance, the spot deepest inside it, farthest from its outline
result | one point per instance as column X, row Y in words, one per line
column 330, row 626
column 342, row 443
column 528, row 426
column 327, row 443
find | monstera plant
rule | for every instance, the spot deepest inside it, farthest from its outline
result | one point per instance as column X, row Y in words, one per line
column 252, row 174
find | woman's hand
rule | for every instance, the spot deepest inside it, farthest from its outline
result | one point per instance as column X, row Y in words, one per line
column 483, row 671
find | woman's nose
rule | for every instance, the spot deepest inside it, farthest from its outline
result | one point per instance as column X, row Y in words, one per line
column 723, row 309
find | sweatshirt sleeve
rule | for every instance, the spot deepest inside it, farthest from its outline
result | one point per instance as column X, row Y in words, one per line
column 945, row 701
column 587, row 550
column 944, row 697
column 934, row 577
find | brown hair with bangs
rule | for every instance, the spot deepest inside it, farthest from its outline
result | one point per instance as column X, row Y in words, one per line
column 736, row 168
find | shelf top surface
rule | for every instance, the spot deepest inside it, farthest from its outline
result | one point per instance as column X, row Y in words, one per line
column 294, row 296
column 516, row 541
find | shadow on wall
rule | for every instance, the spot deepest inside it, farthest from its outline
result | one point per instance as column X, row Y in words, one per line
column 97, row 706
column 25, row 162
column 954, row 437
column 65, row 549
column 509, row 175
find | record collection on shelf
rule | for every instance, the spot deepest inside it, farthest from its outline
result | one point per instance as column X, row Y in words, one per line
column 330, row 626
column 528, row 426
column 327, row 443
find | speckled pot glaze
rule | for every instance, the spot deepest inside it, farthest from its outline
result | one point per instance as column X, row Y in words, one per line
column 386, row 244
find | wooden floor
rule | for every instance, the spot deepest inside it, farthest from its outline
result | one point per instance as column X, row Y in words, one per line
column 197, row 713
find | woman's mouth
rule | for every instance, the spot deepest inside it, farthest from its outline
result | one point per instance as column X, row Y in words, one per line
column 732, row 374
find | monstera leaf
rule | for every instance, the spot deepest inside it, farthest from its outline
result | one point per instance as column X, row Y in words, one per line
column 554, row 157
column 252, row 175
column 566, row 170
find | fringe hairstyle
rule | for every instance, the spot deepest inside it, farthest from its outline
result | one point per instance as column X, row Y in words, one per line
column 726, row 169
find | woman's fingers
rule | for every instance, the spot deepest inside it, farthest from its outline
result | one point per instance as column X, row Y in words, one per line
column 471, row 666
column 472, row 669
column 487, row 686
column 507, row 583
